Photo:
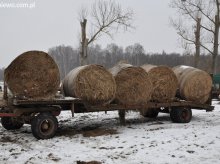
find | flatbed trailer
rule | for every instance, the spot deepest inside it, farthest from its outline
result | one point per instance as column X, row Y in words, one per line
column 41, row 114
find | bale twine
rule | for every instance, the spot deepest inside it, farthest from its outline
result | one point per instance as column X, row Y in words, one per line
column 194, row 84
column 164, row 82
column 91, row 83
column 33, row 74
column 133, row 84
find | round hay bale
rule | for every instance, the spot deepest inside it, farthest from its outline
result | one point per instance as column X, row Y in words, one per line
column 91, row 83
column 194, row 84
column 164, row 82
column 133, row 84
column 33, row 74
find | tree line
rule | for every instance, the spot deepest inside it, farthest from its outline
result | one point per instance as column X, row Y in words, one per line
column 68, row 58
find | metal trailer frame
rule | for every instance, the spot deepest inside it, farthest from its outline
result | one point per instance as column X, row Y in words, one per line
column 16, row 107
column 41, row 114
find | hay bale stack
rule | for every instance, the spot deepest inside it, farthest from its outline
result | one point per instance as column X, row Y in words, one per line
column 92, row 83
column 133, row 84
column 164, row 82
column 194, row 84
column 33, row 74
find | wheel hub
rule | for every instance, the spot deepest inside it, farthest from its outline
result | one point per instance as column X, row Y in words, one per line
column 184, row 115
column 45, row 126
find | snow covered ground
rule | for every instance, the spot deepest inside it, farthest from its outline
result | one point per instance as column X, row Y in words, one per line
column 99, row 137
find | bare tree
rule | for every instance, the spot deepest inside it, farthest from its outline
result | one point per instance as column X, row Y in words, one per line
column 207, row 20
column 191, row 35
column 107, row 18
column 136, row 50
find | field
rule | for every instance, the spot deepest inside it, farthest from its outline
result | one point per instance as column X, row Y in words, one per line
column 99, row 137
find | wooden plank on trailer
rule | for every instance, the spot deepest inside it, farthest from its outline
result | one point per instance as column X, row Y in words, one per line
column 55, row 101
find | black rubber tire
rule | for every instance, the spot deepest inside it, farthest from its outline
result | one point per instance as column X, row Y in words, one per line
column 151, row 113
column 44, row 126
column 10, row 123
column 181, row 115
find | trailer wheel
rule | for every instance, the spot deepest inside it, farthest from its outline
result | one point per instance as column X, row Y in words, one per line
column 10, row 123
column 44, row 126
column 181, row 115
column 151, row 113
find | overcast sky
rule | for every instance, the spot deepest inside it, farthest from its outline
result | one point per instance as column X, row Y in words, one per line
column 49, row 23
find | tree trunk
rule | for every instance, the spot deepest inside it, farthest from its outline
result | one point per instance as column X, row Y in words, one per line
column 197, row 42
column 84, row 44
column 215, row 48
column 64, row 61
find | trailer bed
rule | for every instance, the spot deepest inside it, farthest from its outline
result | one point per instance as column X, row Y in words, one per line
column 78, row 103
column 153, row 105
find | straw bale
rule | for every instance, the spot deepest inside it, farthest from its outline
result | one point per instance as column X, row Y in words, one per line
column 164, row 82
column 92, row 83
column 33, row 74
column 133, row 84
column 194, row 84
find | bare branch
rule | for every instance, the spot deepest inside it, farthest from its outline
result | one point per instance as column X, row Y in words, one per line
column 190, row 13
column 198, row 6
column 82, row 14
column 206, row 48
column 194, row 10
column 108, row 16
column 185, row 37
column 182, row 30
